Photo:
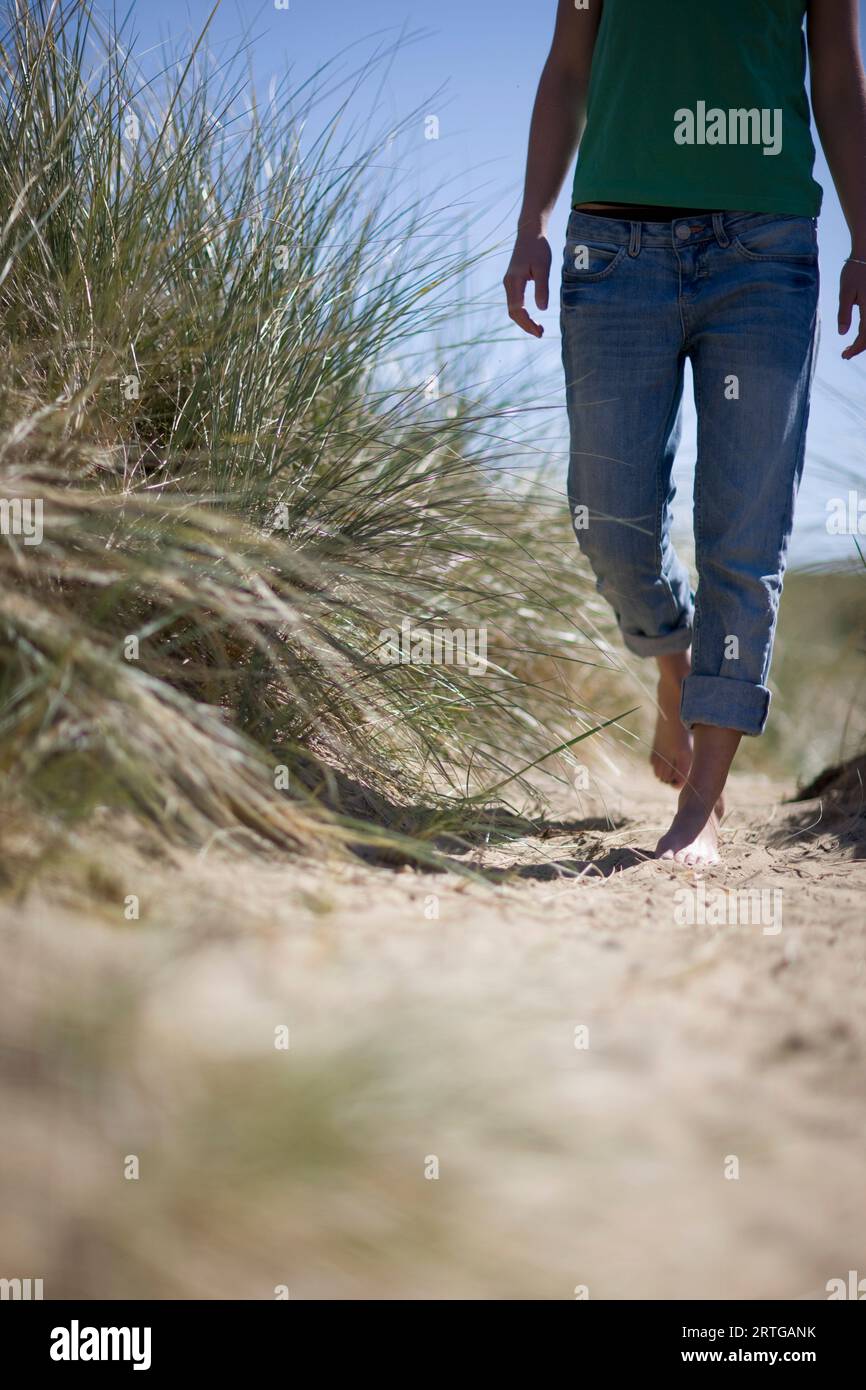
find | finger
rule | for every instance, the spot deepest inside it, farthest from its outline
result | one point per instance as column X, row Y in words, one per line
column 859, row 343
column 542, row 291
column 846, row 306
column 515, row 289
column 522, row 319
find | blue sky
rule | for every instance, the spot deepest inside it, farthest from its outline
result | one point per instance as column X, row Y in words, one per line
column 478, row 62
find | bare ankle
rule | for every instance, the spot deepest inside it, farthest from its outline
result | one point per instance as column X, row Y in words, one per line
column 673, row 668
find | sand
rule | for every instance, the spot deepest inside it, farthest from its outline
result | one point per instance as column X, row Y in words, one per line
column 598, row 1077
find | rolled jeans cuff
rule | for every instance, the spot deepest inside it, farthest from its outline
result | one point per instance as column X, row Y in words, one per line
column 726, row 703
column 677, row 641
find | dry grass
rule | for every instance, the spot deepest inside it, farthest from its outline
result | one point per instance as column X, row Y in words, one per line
column 214, row 365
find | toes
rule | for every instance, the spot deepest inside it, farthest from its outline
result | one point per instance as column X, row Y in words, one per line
column 684, row 854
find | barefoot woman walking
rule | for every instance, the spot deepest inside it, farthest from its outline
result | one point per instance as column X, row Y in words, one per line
column 693, row 234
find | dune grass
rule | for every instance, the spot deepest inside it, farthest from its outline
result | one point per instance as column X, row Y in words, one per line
column 222, row 334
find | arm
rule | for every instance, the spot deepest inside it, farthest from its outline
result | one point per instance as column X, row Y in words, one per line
column 839, row 104
column 558, row 119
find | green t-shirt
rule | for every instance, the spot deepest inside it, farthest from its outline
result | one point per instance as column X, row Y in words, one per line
column 699, row 103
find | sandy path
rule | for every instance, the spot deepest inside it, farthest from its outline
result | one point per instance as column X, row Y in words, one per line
column 432, row 1019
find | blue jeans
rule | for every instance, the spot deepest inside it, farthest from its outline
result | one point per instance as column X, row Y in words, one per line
column 736, row 293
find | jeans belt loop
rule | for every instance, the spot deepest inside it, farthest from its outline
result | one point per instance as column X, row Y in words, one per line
column 719, row 228
column 634, row 240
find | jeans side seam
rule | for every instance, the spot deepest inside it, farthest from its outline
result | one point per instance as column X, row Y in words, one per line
column 696, row 505
column 661, row 502
column 799, row 460
column 799, row 457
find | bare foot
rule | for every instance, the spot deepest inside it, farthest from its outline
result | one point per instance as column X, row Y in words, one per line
column 671, row 755
column 694, row 834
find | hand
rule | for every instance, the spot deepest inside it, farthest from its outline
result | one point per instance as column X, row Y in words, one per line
column 852, row 290
column 530, row 260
